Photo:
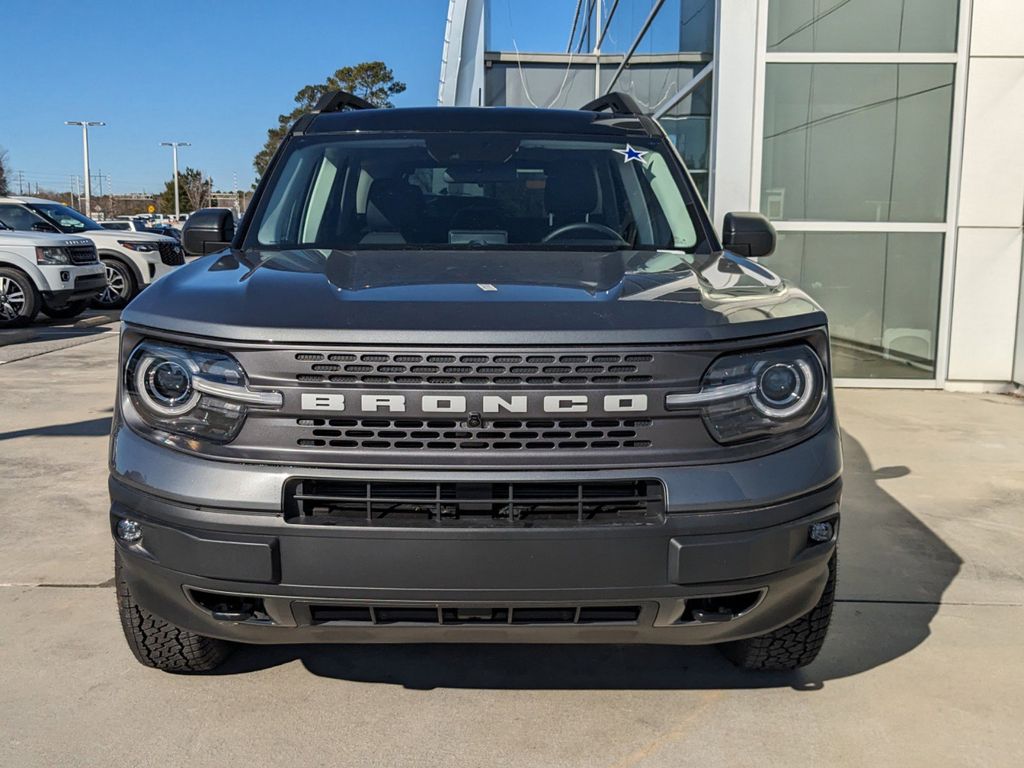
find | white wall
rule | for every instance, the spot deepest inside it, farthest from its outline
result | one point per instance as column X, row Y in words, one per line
column 987, row 284
column 733, row 136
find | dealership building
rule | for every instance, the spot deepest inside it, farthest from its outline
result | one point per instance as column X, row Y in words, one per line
column 883, row 138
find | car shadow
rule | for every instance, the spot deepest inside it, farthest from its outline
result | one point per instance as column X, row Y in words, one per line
column 89, row 428
column 893, row 572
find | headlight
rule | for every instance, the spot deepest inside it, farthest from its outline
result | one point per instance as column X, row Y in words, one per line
column 51, row 256
column 758, row 393
column 135, row 245
column 195, row 392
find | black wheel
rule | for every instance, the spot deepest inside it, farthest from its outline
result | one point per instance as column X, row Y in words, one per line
column 69, row 310
column 120, row 287
column 19, row 300
column 795, row 645
column 159, row 644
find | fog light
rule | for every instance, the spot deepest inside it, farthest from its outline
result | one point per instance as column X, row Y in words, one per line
column 822, row 532
column 129, row 531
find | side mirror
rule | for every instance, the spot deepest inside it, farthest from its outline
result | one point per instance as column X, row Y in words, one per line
column 42, row 226
column 208, row 230
column 748, row 234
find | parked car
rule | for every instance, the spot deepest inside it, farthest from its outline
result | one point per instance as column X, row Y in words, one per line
column 125, row 225
column 475, row 375
column 164, row 229
column 46, row 272
column 132, row 260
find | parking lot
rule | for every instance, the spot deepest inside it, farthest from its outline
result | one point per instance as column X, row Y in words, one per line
column 923, row 665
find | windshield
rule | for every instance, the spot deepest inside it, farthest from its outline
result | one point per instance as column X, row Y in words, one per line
column 476, row 191
column 68, row 220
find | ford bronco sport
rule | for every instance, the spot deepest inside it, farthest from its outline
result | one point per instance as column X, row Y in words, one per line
column 475, row 375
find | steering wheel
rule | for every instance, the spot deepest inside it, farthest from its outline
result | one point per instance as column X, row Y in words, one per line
column 594, row 227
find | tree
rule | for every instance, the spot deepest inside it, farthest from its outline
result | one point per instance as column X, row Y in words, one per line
column 370, row 80
column 4, row 173
column 193, row 192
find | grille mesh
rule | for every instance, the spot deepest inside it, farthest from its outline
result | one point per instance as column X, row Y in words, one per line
column 171, row 254
column 499, row 435
column 83, row 254
column 496, row 369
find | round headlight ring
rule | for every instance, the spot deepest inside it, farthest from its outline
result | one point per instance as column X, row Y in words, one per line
column 794, row 402
column 155, row 385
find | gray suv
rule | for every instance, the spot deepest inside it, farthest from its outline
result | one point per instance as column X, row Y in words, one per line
column 475, row 375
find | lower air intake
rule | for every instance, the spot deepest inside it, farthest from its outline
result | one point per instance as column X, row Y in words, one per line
column 472, row 504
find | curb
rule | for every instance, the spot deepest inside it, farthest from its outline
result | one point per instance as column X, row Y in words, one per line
column 89, row 322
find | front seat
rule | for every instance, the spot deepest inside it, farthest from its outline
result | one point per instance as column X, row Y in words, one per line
column 394, row 207
column 570, row 194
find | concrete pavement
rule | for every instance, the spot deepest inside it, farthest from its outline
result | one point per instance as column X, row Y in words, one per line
column 924, row 665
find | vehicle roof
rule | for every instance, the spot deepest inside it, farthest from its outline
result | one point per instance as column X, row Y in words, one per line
column 443, row 119
column 27, row 199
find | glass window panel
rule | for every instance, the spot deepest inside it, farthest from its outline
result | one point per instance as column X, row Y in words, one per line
column 856, row 142
column 688, row 125
column 862, row 26
column 681, row 25
column 881, row 293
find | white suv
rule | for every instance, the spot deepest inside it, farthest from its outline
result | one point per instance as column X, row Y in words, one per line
column 57, row 274
column 132, row 260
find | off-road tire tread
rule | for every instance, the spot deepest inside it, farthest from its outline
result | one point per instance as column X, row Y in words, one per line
column 159, row 644
column 794, row 645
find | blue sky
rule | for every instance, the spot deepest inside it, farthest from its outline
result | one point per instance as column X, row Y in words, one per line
column 216, row 73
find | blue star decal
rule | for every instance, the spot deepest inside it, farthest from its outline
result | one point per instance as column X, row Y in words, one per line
column 630, row 154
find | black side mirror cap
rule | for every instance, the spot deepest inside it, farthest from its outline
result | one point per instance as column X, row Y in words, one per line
column 42, row 226
column 208, row 230
column 748, row 234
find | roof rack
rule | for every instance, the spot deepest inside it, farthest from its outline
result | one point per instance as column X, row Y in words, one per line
column 337, row 101
column 617, row 103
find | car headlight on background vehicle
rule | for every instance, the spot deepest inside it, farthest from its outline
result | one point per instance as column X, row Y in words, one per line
column 194, row 392
column 756, row 394
column 141, row 247
column 51, row 256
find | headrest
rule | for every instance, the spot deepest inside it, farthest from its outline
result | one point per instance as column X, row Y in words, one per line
column 393, row 204
column 570, row 188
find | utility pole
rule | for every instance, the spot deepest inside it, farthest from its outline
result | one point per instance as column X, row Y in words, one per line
column 85, row 152
column 21, row 182
column 597, row 53
column 174, row 153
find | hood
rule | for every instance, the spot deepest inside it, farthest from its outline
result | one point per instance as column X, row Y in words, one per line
column 41, row 238
column 112, row 235
column 421, row 296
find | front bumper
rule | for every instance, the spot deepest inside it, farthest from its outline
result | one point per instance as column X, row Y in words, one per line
column 66, row 283
column 314, row 583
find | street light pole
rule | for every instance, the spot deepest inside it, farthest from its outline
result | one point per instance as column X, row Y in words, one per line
column 174, row 154
column 85, row 154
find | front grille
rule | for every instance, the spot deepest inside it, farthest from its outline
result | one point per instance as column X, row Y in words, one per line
column 83, row 254
column 477, row 369
column 377, row 434
column 472, row 504
column 325, row 613
column 171, row 254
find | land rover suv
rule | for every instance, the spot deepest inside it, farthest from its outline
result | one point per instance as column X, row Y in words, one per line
column 475, row 375
column 131, row 260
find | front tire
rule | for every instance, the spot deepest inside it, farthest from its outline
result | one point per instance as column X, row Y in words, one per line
column 19, row 300
column 69, row 310
column 159, row 644
column 796, row 644
column 120, row 287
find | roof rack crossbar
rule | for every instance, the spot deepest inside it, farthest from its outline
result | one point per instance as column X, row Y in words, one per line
column 336, row 101
column 617, row 103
